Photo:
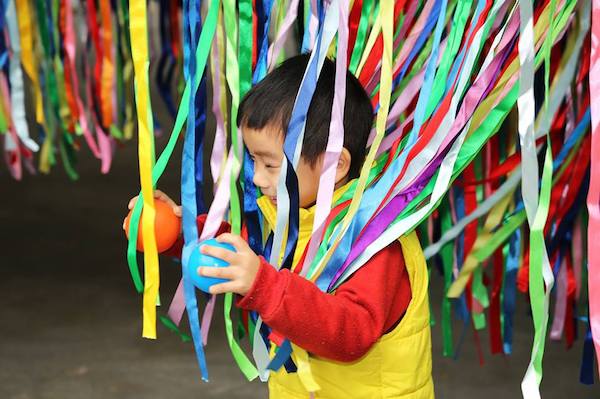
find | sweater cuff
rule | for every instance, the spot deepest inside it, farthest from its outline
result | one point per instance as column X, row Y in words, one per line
column 267, row 290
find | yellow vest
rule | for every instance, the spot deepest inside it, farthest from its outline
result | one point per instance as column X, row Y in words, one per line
column 398, row 365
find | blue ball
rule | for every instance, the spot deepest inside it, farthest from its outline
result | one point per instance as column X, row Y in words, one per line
column 198, row 259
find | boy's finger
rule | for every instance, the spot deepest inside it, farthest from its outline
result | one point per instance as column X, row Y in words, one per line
column 223, row 288
column 165, row 198
column 238, row 242
column 220, row 253
column 131, row 203
column 227, row 273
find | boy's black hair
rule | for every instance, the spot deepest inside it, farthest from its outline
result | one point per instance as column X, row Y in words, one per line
column 271, row 101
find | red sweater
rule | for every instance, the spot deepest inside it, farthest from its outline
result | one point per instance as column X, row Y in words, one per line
column 341, row 326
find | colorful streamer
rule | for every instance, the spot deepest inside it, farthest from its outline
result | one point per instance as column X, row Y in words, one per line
column 469, row 96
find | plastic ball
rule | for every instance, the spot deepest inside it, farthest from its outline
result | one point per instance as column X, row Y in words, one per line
column 198, row 259
column 167, row 226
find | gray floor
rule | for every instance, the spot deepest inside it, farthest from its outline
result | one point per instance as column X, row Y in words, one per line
column 70, row 319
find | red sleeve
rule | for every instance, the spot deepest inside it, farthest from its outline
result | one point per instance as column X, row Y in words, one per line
column 341, row 326
column 175, row 250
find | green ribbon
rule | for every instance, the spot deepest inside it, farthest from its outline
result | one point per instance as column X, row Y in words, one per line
column 173, row 327
column 539, row 286
column 361, row 34
column 446, row 254
column 235, row 85
column 461, row 16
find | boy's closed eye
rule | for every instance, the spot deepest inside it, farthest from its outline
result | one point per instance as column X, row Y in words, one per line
column 269, row 164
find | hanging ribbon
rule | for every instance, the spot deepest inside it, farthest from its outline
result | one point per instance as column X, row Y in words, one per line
column 593, row 198
column 139, row 42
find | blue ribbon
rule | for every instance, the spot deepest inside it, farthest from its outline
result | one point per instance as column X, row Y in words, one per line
column 165, row 61
column 460, row 305
column 586, row 372
column 563, row 233
column 200, row 129
column 188, row 185
column 281, row 357
column 295, row 130
column 305, row 47
column 421, row 40
column 50, row 25
column 510, row 289
column 264, row 19
column 462, row 53
column 3, row 45
column 251, row 213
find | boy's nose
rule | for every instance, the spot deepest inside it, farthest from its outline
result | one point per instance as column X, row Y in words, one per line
column 259, row 180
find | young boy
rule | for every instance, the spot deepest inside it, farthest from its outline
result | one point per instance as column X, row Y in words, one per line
column 368, row 339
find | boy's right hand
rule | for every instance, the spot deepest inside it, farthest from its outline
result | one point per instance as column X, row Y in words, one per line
column 158, row 195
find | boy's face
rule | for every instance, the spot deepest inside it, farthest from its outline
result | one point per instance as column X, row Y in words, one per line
column 266, row 149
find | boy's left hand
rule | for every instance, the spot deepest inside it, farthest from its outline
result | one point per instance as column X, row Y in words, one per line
column 242, row 269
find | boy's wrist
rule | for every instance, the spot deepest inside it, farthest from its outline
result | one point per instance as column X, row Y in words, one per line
column 266, row 290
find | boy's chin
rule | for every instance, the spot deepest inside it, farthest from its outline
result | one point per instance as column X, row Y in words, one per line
column 308, row 204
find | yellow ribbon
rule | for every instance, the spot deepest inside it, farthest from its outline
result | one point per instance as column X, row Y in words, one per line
column 370, row 43
column 300, row 357
column 471, row 263
column 28, row 59
column 139, row 46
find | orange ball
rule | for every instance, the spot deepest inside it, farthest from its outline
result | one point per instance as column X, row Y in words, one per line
column 167, row 226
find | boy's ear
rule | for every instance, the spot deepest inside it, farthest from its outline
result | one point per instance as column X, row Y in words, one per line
column 343, row 166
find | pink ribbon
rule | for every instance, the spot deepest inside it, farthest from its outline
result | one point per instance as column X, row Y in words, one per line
column 577, row 251
column 560, row 306
column 593, row 198
column 70, row 48
column 213, row 222
column 104, row 142
column 216, row 157
column 288, row 21
column 335, row 141
column 12, row 142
